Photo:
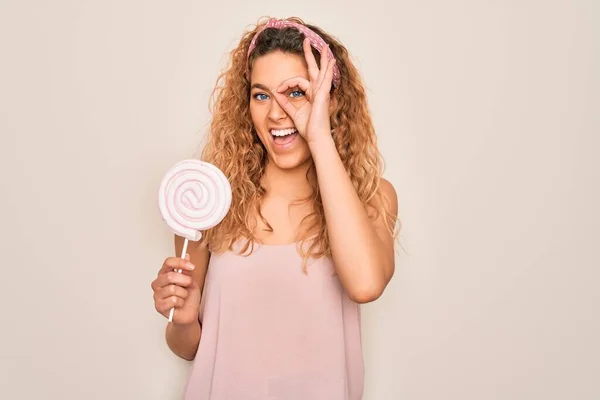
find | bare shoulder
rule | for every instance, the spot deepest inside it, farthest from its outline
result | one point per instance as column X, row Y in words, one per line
column 390, row 197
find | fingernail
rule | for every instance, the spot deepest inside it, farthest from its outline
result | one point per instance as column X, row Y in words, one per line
column 190, row 266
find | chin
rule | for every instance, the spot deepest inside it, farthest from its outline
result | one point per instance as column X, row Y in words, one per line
column 290, row 161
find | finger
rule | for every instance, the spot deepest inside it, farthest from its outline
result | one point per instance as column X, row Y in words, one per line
column 172, row 263
column 164, row 306
column 173, row 278
column 171, row 290
column 313, row 68
column 284, row 100
column 285, row 103
column 324, row 61
column 328, row 78
column 297, row 81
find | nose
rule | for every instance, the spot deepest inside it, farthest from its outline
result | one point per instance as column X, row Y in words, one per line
column 276, row 113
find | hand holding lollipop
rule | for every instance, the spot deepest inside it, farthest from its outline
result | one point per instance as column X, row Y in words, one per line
column 194, row 196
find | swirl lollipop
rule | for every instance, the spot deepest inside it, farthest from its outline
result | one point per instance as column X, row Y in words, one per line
column 194, row 196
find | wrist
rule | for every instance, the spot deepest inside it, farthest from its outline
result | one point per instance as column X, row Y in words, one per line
column 182, row 327
column 321, row 142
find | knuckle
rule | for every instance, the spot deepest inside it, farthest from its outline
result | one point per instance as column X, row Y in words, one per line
column 164, row 293
column 162, row 306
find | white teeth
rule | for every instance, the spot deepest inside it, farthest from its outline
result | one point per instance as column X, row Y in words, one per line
column 283, row 132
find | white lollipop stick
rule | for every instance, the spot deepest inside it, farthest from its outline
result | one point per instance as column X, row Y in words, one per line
column 185, row 245
column 194, row 196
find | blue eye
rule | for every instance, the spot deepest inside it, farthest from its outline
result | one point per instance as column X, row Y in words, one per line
column 297, row 93
column 260, row 96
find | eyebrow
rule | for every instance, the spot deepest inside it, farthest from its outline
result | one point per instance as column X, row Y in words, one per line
column 259, row 86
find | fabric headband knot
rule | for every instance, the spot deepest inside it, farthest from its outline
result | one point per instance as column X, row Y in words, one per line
column 316, row 41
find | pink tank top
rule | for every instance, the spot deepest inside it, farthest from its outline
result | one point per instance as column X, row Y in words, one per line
column 270, row 331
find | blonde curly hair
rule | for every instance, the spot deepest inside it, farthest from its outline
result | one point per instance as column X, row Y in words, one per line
column 234, row 147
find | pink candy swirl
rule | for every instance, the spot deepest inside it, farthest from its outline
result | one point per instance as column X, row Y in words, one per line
column 194, row 196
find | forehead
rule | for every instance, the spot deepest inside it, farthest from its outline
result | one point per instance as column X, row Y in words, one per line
column 273, row 68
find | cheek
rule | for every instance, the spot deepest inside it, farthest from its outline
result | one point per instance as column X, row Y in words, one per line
column 257, row 119
column 257, row 113
column 253, row 113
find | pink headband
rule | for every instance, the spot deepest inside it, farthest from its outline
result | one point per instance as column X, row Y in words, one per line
column 315, row 40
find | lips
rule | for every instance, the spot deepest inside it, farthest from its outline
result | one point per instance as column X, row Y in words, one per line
column 283, row 138
column 283, row 132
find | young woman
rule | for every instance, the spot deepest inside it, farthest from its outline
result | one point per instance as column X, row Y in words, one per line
column 268, row 304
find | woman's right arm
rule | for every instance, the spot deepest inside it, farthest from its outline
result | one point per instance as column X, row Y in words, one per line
column 184, row 291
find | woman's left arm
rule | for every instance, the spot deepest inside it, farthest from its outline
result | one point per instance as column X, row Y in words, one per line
column 362, row 248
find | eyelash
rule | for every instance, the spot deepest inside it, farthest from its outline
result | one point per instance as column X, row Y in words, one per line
column 255, row 95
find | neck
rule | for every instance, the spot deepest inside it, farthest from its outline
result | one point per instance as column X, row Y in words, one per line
column 291, row 184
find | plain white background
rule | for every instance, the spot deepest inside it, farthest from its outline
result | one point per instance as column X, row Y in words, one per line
column 487, row 114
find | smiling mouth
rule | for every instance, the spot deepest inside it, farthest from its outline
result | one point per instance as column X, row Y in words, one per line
column 282, row 137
